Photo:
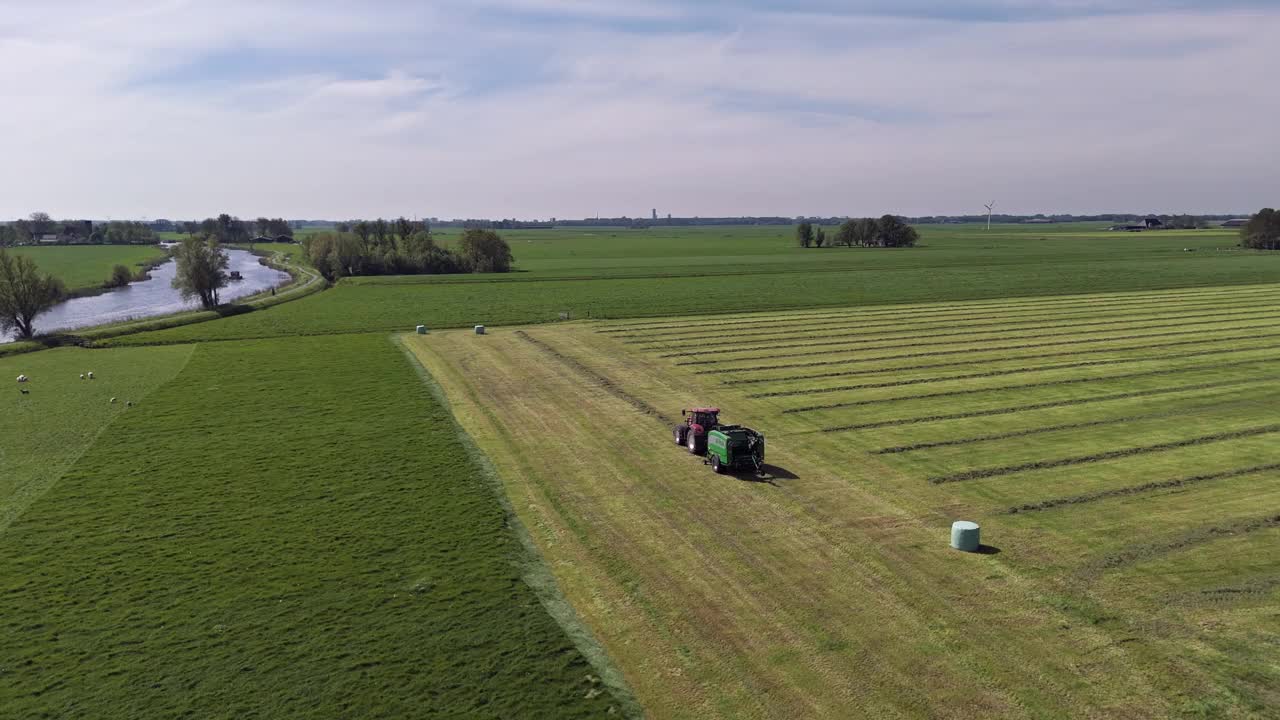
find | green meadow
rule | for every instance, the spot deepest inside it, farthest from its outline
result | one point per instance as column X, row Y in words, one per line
column 286, row 528
column 84, row 267
column 632, row 273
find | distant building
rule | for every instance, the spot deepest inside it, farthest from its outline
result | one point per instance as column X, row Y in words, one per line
column 1235, row 222
column 655, row 214
column 48, row 238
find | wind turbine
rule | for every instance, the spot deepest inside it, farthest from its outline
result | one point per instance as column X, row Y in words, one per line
column 989, row 209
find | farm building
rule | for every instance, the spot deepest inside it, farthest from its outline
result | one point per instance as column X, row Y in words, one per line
column 1148, row 224
column 1235, row 223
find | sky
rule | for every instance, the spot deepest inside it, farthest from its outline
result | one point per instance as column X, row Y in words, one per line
column 572, row 108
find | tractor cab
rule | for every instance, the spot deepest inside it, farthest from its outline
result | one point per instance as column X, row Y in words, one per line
column 692, row 432
column 705, row 418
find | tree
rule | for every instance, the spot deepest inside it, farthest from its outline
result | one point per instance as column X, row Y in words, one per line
column 41, row 223
column 279, row 227
column 381, row 232
column 804, row 234
column 404, row 228
column 202, row 270
column 362, row 230
column 486, row 250
column 342, row 227
column 262, row 225
column 820, row 237
column 864, row 231
column 893, row 232
column 1262, row 232
column 24, row 294
column 844, row 234
column 120, row 276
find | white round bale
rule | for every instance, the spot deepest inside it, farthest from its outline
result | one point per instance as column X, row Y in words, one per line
column 965, row 536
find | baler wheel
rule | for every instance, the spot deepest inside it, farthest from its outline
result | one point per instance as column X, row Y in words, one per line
column 716, row 466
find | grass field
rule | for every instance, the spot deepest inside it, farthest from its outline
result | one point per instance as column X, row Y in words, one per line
column 285, row 528
column 1119, row 451
column 618, row 275
column 288, row 522
column 85, row 267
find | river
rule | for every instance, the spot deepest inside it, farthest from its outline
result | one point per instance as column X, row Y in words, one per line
column 148, row 298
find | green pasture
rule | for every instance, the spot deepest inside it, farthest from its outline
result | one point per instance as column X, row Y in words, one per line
column 1121, row 449
column 360, row 307
column 44, row 432
column 286, row 528
column 84, row 267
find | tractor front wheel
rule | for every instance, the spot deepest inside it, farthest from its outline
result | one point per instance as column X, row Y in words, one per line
column 693, row 442
column 680, row 432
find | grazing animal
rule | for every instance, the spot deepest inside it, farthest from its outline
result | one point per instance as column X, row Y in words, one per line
column 81, row 376
column 22, row 378
column 90, row 374
column 113, row 401
column 128, row 403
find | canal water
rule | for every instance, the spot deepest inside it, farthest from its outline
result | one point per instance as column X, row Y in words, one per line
column 153, row 297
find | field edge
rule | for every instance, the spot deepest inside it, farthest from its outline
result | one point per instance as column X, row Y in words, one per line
column 534, row 570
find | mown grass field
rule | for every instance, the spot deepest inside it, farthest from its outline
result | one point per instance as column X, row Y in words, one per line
column 290, row 528
column 600, row 274
column 84, row 267
column 1119, row 451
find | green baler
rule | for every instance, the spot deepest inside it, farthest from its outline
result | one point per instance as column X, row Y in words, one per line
column 734, row 447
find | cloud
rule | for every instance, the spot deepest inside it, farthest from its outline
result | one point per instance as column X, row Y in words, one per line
column 538, row 108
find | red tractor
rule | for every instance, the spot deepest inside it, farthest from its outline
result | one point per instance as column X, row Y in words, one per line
column 692, row 433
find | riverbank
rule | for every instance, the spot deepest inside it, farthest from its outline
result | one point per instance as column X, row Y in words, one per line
column 304, row 281
column 295, row 281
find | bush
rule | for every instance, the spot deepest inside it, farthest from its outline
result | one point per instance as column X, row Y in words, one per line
column 1262, row 232
column 120, row 276
column 486, row 251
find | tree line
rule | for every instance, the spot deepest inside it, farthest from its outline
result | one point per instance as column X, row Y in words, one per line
column 403, row 247
column 31, row 230
column 888, row 231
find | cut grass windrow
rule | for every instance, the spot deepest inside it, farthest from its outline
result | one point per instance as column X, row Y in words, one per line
column 928, row 340
column 860, row 347
column 983, row 473
column 1015, row 409
column 1147, row 551
column 1041, row 321
column 1139, row 489
column 936, row 310
column 606, row 383
column 953, row 363
column 1024, row 386
column 914, row 447
column 999, row 373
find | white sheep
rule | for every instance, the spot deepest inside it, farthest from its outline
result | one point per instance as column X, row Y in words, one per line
column 81, row 376
column 90, row 374
column 22, row 378
column 113, row 401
